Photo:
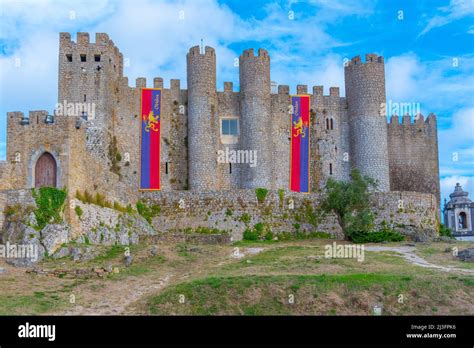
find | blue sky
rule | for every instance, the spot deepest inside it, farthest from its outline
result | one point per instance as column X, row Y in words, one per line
column 428, row 48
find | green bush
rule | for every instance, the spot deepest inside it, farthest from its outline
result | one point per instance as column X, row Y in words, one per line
column 148, row 212
column 281, row 195
column 385, row 234
column 50, row 204
column 78, row 211
column 349, row 201
column 245, row 218
column 250, row 235
column 260, row 231
column 261, row 194
column 445, row 231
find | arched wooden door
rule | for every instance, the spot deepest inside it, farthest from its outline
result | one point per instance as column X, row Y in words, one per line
column 45, row 171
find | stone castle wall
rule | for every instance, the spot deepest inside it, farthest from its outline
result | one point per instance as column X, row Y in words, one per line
column 365, row 93
column 413, row 153
column 413, row 214
column 345, row 132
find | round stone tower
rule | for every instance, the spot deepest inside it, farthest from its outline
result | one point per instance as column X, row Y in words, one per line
column 202, row 118
column 255, row 110
column 365, row 93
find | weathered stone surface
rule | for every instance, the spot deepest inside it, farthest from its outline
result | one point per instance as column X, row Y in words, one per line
column 63, row 252
column 466, row 255
column 53, row 236
column 127, row 260
column 20, row 235
column 154, row 250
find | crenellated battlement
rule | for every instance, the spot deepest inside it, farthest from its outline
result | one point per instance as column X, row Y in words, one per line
column 158, row 82
column 195, row 51
column 418, row 120
column 250, row 53
column 370, row 58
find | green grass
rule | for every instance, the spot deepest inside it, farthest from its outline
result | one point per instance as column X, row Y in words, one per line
column 37, row 303
column 256, row 295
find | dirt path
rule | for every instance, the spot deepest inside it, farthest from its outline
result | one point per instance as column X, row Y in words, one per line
column 408, row 254
column 120, row 294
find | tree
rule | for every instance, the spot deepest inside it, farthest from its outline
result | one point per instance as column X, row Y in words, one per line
column 349, row 201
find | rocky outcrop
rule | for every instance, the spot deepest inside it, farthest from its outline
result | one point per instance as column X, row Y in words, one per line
column 107, row 226
column 53, row 236
column 466, row 255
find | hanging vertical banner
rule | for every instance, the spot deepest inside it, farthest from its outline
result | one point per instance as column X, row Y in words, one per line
column 150, row 110
column 299, row 143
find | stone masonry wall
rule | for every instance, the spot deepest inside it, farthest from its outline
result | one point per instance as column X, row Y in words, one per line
column 413, row 214
column 413, row 154
column 365, row 93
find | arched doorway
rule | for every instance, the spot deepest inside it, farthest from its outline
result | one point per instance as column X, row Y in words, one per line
column 45, row 171
column 462, row 221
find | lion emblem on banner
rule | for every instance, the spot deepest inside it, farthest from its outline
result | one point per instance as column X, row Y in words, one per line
column 152, row 122
column 300, row 127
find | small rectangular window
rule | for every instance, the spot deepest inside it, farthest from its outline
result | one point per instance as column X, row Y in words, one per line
column 230, row 127
column 69, row 57
column 83, row 58
column 97, row 57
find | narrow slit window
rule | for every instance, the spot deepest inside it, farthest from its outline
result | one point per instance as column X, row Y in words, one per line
column 166, row 167
column 85, row 98
column 327, row 123
column 330, row 168
column 230, row 168
column 332, row 123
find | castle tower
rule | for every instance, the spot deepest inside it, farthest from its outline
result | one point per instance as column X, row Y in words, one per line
column 255, row 106
column 89, row 75
column 202, row 118
column 365, row 93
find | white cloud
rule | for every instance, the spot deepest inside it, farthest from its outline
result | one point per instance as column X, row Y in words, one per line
column 402, row 75
column 456, row 9
column 448, row 183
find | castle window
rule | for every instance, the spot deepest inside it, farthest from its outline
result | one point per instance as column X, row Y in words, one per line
column 166, row 168
column 230, row 168
column 83, row 58
column 97, row 57
column 85, row 98
column 327, row 123
column 230, row 126
column 332, row 123
column 69, row 57
column 330, row 168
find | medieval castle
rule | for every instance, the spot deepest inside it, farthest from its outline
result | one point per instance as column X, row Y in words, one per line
column 98, row 149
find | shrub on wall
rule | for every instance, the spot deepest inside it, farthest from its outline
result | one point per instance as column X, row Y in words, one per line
column 50, row 204
column 148, row 212
column 261, row 194
column 79, row 211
